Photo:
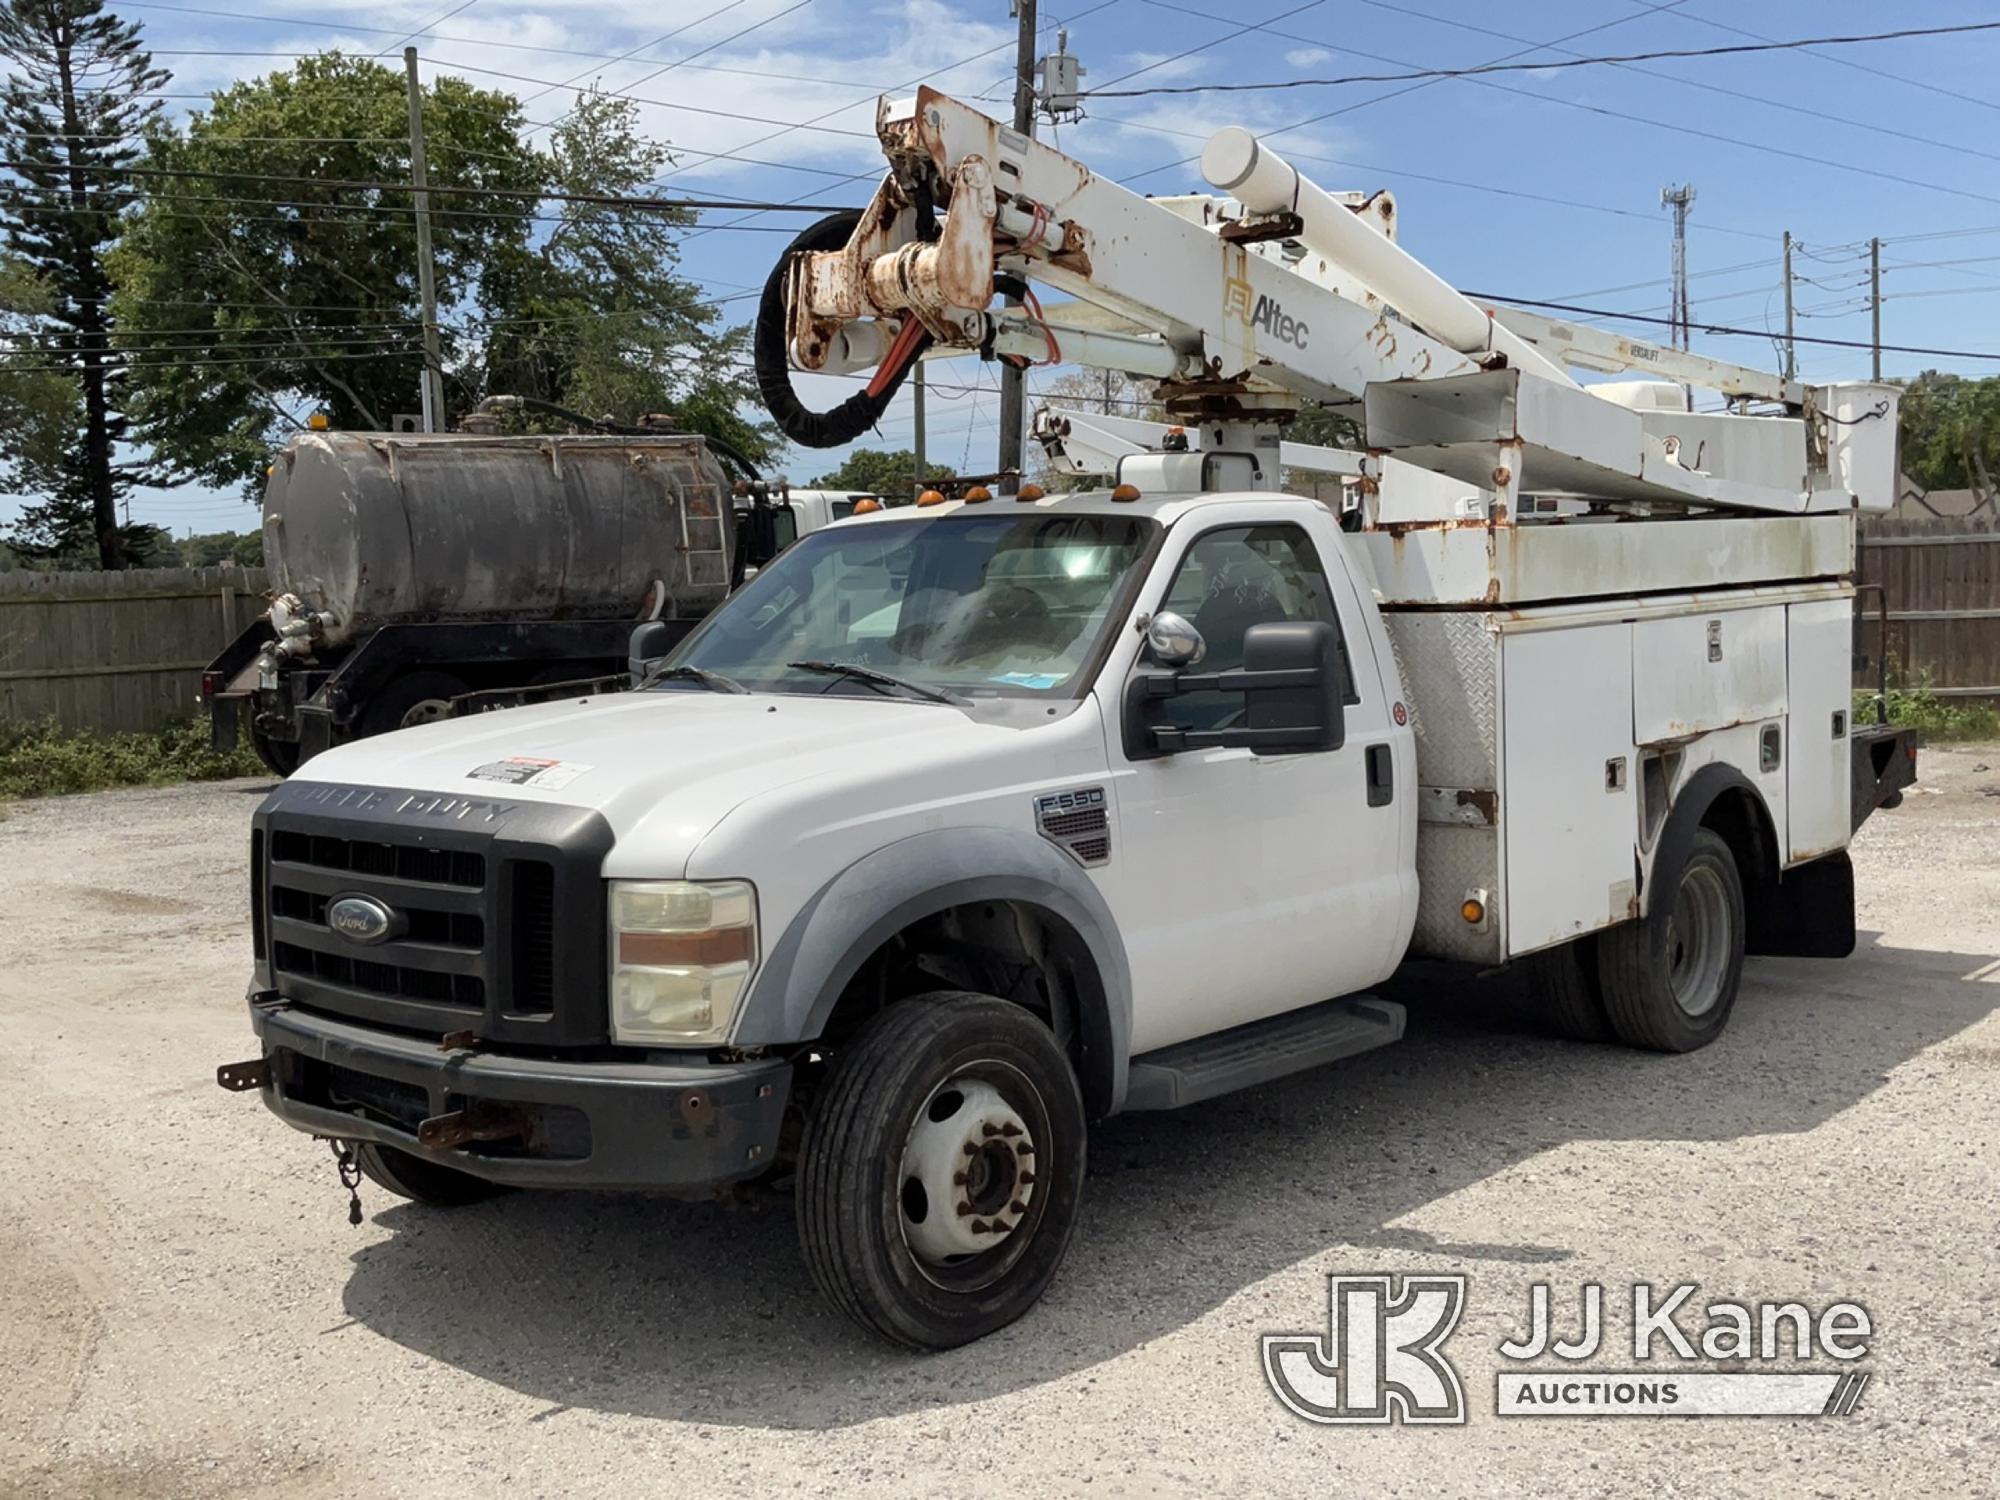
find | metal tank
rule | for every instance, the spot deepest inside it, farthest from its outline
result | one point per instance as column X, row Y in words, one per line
column 369, row 529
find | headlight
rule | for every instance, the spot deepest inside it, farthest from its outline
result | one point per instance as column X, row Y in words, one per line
column 682, row 953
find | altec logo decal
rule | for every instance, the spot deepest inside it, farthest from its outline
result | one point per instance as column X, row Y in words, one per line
column 1263, row 313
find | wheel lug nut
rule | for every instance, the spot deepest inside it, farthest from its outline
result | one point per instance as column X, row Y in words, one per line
column 970, row 1149
column 980, row 1226
column 989, row 1129
column 964, row 1210
column 1017, row 1206
column 1027, row 1177
column 1025, row 1149
column 958, row 1179
column 1010, row 1129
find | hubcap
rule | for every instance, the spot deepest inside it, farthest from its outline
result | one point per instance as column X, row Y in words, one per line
column 967, row 1180
column 427, row 712
column 1698, row 941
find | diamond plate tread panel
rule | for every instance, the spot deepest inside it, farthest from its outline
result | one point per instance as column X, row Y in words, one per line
column 1450, row 666
column 1452, row 860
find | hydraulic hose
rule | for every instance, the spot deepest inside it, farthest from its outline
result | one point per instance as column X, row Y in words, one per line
column 859, row 412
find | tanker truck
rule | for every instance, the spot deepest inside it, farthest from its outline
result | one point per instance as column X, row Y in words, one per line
column 408, row 570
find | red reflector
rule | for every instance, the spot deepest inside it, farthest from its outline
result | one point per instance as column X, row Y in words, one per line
column 727, row 945
column 211, row 684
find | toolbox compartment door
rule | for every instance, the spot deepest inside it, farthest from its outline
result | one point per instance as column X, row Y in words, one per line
column 1569, row 800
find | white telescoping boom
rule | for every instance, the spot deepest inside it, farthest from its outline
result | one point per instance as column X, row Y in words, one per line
column 1242, row 305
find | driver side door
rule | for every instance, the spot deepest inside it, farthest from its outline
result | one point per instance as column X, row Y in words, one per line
column 1250, row 884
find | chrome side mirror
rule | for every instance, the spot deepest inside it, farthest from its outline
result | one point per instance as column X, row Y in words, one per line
column 1173, row 642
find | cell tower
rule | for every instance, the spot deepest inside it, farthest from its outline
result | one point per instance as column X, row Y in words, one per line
column 1680, row 200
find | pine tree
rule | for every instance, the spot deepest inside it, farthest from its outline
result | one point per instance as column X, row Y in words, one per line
column 74, row 109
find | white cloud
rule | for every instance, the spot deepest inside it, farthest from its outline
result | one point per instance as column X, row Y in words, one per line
column 1306, row 57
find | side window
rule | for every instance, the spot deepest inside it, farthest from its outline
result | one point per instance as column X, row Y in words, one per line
column 1236, row 578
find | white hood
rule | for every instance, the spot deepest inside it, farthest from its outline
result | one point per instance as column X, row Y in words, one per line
column 676, row 762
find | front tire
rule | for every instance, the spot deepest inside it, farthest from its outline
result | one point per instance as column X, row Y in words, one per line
column 421, row 1181
column 942, row 1170
column 1670, row 979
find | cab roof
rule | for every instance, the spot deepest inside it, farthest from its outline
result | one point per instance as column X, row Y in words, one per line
column 1165, row 507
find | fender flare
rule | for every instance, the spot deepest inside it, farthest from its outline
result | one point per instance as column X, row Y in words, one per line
column 807, row 967
column 1685, row 818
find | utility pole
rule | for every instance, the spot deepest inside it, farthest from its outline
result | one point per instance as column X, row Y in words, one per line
column 1680, row 200
column 917, row 396
column 1791, row 347
column 433, row 381
column 1875, row 302
column 1013, row 381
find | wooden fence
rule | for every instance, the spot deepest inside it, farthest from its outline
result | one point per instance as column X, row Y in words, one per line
column 116, row 650
column 1942, row 582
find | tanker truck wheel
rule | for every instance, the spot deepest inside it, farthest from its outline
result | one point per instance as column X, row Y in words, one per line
column 280, row 756
column 415, row 698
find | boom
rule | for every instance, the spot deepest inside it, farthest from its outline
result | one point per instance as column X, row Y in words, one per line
column 1243, row 305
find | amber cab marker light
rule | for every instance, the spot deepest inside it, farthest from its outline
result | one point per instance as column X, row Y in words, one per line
column 1473, row 911
column 1126, row 492
column 977, row 493
column 1030, row 492
column 866, row 507
column 931, row 497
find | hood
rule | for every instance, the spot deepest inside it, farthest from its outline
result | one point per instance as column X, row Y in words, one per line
column 679, row 762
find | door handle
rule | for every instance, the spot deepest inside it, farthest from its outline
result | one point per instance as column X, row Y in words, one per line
column 1381, row 765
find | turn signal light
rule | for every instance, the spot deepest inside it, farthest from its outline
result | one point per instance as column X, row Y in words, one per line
column 931, row 497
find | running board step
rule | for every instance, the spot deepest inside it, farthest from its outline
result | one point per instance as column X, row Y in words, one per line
column 1209, row 1066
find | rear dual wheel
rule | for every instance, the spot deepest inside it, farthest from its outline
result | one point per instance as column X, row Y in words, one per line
column 1666, row 982
column 942, row 1170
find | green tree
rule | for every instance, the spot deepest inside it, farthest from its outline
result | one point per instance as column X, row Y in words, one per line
column 1949, row 431
column 256, row 288
column 71, row 115
column 207, row 549
column 595, row 314
column 40, row 402
column 881, row 473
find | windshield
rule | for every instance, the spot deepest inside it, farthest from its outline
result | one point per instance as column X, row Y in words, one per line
column 974, row 605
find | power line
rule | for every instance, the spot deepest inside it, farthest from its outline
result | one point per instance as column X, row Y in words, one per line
column 1529, row 67
column 1789, row 106
column 1845, row 62
column 1721, row 331
column 351, row 184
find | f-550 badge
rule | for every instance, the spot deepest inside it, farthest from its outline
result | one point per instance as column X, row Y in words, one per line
column 1078, row 823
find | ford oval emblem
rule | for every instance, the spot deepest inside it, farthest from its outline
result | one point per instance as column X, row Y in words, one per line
column 361, row 919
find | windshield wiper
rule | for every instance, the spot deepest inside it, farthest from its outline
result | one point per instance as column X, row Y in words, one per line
column 881, row 679
column 715, row 682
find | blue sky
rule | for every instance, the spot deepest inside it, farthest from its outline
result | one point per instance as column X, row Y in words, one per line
column 1538, row 185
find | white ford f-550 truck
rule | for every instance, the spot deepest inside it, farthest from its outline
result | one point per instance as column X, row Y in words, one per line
column 963, row 824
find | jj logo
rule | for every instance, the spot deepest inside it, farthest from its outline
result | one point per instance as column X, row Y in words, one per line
column 1380, row 1359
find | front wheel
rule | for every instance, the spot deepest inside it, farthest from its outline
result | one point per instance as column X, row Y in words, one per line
column 942, row 1170
column 1670, row 979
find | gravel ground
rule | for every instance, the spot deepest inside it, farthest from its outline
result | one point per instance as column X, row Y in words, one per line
column 184, row 1310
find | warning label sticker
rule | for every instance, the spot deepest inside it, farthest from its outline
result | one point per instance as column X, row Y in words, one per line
column 528, row 770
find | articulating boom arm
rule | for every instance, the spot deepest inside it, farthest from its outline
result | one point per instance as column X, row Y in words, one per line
column 1241, row 306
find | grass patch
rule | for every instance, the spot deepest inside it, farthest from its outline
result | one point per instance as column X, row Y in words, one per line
column 1919, row 707
column 46, row 760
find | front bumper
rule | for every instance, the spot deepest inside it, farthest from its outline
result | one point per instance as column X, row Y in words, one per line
column 679, row 1128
